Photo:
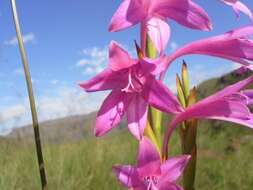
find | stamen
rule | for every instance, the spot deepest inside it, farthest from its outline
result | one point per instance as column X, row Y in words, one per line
column 130, row 86
column 151, row 182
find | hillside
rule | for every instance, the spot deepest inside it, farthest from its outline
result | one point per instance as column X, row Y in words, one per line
column 72, row 128
column 78, row 126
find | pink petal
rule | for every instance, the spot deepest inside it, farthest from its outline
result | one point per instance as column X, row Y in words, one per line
column 238, row 33
column 153, row 66
column 249, row 94
column 166, row 186
column 106, row 80
column 244, row 122
column 159, row 96
column 129, row 13
column 228, row 90
column 219, row 106
column 125, row 174
column 111, row 112
column 234, row 45
column 238, row 97
column 184, row 12
column 159, row 32
column 173, row 168
column 238, row 7
column 150, row 169
column 137, row 116
column 223, row 105
column 119, row 58
column 222, row 110
column 147, row 153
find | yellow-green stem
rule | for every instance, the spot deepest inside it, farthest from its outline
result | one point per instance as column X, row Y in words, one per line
column 189, row 147
column 155, row 116
column 31, row 96
column 188, row 129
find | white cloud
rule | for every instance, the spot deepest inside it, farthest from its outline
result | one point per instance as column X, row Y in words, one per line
column 173, row 46
column 27, row 38
column 65, row 102
column 92, row 70
column 93, row 61
column 54, row 81
column 12, row 112
column 68, row 101
column 89, row 71
column 82, row 62
column 95, row 52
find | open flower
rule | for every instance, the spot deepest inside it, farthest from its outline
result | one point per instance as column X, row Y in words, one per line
column 150, row 173
column 234, row 45
column 153, row 14
column 238, row 7
column 230, row 104
column 133, row 86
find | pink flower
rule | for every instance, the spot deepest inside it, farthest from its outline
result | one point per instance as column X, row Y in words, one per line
column 154, row 14
column 133, row 86
column 150, row 173
column 238, row 7
column 229, row 104
column 234, row 45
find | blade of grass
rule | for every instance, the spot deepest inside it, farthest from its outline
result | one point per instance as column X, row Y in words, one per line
column 31, row 96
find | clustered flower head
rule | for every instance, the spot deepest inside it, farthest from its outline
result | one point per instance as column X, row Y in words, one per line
column 135, row 88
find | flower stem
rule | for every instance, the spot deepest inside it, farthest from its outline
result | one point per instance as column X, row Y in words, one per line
column 153, row 129
column 189, row 147
column 31, row 96
column 188, row 129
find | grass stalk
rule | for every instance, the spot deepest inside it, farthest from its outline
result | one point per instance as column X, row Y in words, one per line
column 31, row 96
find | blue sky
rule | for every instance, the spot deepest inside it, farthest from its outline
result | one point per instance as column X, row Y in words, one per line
column 67, row 42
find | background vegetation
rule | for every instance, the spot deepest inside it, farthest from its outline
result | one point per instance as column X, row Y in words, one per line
column 79, row 161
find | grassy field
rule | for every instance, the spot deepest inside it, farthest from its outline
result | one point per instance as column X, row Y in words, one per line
column 81, row 162
column 225, row 161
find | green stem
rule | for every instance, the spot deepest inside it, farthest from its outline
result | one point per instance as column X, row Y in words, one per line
column 155, row 116
column 31, row 96
column 189, row 147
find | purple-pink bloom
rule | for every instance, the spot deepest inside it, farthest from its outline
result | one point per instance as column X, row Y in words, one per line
column 150, row 173
column 230, row 104
column 154, row 14
column 133, row 86
column 238, row 7
column 234, row 45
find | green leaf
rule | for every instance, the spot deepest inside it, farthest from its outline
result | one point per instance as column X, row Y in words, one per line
column 185, row 80
column 180, row 92
column 156, row 123
column 150, row 134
